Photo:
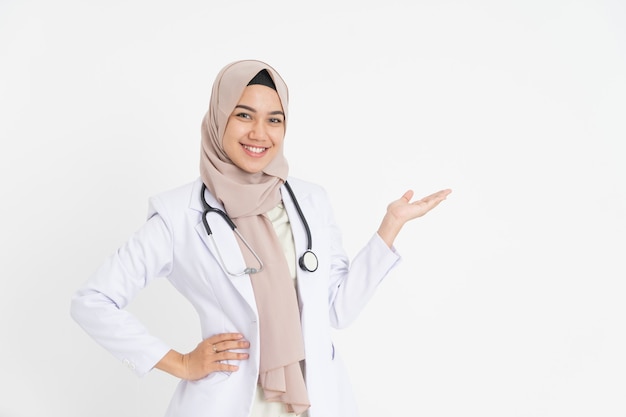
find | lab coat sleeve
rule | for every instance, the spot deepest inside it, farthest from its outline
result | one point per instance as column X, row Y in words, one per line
column 352, row 284
column 98, row 307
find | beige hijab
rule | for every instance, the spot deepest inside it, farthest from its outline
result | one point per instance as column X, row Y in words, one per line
column 246, row 198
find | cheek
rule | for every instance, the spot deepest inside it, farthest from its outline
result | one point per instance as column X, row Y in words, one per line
column 230, row 137
column 278, row 137
column 230, row 145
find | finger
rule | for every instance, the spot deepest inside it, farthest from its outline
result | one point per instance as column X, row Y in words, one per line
column 223, row 337
column 229, row 345
column 225, row 367
column 408, row 195
column 444, row 193
column 438, row 196
column 228, row 355
column 429, row 203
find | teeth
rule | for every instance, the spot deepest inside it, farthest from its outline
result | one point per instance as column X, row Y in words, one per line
column 254, row 149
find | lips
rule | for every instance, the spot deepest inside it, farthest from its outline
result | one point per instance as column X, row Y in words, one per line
column 254, row 149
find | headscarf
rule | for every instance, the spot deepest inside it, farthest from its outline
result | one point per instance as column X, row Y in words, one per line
column 246, row 198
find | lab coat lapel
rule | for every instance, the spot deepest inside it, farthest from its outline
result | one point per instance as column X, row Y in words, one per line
column 228, row 246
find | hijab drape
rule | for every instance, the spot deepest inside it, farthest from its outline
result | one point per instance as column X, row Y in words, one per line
column 246, row 198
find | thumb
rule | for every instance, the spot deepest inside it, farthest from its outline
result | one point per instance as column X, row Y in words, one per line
column 408, row 195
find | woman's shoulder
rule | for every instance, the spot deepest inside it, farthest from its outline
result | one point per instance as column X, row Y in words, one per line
column 176, row 199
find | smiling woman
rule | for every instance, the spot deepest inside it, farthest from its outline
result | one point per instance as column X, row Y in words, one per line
column 256, row 128
column 266, row 345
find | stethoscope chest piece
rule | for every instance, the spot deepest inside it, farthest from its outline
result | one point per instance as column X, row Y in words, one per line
column 308, row 261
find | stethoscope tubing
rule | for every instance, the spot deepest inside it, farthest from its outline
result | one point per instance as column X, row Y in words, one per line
column 308, row 261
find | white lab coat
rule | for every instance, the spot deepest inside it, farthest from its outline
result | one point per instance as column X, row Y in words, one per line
column 174, row 244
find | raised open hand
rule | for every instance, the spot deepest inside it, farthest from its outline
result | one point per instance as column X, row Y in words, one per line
column 403, row 209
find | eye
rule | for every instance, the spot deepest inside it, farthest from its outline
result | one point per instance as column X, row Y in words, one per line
column 243, row 115
column 276, row 120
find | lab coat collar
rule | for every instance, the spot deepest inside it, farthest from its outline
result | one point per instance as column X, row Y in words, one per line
column 196, row 204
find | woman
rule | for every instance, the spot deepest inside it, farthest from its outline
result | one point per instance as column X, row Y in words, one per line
column 266, row 311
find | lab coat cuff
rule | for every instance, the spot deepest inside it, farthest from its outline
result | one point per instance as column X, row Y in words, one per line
column 143, row 363
column 378, row 241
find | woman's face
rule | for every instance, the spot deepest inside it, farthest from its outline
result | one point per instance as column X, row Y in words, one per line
column 255, row 129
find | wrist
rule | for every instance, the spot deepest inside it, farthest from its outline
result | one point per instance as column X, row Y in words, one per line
column 174, row 363
column 389, row 229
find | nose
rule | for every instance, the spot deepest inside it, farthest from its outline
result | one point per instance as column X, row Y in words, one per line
column 258, row 131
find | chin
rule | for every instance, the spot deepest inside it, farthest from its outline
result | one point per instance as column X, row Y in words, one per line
column 250, row 170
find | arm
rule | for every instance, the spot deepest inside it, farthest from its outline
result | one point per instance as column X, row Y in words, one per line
column 352, row 284
column 99, row 306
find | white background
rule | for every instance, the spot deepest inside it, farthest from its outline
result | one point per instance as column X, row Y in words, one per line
column 510, row 300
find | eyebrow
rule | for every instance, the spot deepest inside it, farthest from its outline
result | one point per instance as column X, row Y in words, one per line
column 243, row 106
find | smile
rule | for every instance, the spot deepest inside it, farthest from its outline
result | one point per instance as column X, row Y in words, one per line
column 254, row 149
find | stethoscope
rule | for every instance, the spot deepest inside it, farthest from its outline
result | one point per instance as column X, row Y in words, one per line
column 308, row 261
